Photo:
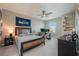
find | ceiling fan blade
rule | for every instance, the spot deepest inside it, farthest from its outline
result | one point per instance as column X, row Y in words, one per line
column 49, row 13
column 46, row 15
column 42, row 16
column 39, row 15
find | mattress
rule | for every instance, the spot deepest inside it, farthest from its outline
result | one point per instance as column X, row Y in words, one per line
column 27, row 38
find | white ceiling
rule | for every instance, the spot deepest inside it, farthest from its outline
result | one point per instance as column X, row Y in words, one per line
column 34, row 9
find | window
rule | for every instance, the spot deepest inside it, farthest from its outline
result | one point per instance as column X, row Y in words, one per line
column 52, row 26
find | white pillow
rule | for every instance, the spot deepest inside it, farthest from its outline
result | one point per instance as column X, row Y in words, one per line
column 26, row 32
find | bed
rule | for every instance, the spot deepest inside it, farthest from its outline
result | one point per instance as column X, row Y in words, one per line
column 26, row 43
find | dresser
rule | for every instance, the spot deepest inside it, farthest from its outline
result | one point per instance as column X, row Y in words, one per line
column 66, row 48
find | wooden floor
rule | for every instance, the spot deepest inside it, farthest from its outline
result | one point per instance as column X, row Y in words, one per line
column 50, row 49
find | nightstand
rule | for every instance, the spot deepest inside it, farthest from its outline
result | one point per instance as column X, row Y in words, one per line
column 9, row 41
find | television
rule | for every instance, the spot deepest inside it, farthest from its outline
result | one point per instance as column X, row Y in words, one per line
column 44, row 30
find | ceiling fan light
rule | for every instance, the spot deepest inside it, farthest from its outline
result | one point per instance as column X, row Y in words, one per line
column 44, row 15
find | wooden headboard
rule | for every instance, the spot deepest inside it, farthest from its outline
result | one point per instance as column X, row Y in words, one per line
column 20, row 28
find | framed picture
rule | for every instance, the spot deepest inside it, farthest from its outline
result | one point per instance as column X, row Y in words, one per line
column 22, row 22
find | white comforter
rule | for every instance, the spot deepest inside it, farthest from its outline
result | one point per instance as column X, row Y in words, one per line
column 21, row 39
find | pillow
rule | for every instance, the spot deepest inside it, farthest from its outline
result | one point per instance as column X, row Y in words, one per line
column 26, row 32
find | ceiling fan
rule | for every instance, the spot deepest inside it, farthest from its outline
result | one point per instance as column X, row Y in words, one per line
column 45, row 14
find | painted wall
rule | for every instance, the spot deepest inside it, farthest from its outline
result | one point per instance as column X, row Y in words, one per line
column 0, row 20
column 0, row 26
column 59, row 24
column 9, row 22
column 37, row 24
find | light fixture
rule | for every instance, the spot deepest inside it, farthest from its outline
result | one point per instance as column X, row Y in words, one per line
column 0, row 21
column 10, row 30
column 44, row 15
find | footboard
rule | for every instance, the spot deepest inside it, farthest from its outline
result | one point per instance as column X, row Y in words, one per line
column 25, row 46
